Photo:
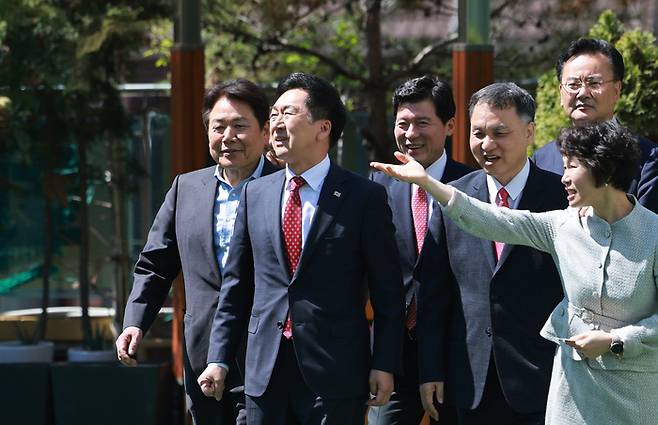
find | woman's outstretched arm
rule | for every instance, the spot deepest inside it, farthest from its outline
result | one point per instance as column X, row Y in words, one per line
column 411, row 171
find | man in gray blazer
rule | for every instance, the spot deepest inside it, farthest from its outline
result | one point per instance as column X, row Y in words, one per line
column 481, row 304
column 191, row 233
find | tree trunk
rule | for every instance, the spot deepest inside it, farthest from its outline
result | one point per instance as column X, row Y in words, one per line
column 120, row 243
column 378, row 132
column 48, row 227
column 83, row 266
column 48, row 231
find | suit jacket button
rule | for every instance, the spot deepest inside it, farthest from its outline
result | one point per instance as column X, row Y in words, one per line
column 488, row 331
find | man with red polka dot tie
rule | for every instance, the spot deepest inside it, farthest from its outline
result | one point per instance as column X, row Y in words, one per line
column 310, row 245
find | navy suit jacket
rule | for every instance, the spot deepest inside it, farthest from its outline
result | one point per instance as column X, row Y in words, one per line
column 471, row 308
column 349, row 252
column 399, row 199
column 181, row 239
column 645, row 184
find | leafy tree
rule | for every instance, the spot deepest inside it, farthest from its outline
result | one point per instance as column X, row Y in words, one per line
column 637, row 105
column 343, row 41
column 352, row 44
column 60, row 62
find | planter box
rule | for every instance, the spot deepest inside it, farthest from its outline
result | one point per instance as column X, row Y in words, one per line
column 16, row 352
column 25, row 394
column 80, row 355
column 110, row 394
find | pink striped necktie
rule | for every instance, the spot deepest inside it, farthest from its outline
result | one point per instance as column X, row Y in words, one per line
column 419, row 212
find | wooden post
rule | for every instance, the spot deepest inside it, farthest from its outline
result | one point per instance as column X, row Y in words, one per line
column 189, row 151
column 472, row 69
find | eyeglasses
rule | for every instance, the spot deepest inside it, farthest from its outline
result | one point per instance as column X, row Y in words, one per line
column 594, row 84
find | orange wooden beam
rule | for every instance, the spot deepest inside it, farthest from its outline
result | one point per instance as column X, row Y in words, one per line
column 189, row 152
column 472, row 69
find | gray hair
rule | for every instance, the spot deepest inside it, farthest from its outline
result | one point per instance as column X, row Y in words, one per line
column 504, row 96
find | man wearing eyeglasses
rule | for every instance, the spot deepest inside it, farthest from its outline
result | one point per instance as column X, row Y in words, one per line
column 590, row 73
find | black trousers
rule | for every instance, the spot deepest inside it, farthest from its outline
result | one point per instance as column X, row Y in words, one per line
column 288, row 399
column 230, row 410
column 494, row 408
column 405, row 407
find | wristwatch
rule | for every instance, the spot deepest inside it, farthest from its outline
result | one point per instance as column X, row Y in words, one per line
column 617, row 348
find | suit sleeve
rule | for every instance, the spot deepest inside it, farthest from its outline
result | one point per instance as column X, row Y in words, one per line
column 237, row 291
column 434, row 300
column 158, row 265
column 385, row 282
column 647, row 187
column 518, row 227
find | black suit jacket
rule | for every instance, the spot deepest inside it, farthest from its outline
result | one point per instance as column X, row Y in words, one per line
column 399, row 199
column 645, row 184
column 181, row 239
column 471, row 308
column 350, row 242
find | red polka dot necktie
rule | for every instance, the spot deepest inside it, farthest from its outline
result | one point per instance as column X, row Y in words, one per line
column 292, row 235
column 419, row 212
column 502, row 200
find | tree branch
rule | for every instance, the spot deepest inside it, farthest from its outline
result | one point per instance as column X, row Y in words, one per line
column 420, row 57
column 499, row 10
column 277, row 44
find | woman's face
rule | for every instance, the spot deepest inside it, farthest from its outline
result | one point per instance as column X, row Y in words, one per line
column 579, row 183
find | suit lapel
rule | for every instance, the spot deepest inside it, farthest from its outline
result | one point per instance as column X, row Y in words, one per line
column 331, row 197
column 531, row 198
column 207, row 195
column 401, row 196
column 480, row 191
column 272, row 199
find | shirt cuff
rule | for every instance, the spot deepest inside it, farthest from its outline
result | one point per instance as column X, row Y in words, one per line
column 218, row 364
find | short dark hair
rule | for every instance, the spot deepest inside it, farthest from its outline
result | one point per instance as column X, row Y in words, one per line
column 239, row 89
column 609, row 150
column 591, row 46
column 505, row 96
column 323, row 100
column 423, row 88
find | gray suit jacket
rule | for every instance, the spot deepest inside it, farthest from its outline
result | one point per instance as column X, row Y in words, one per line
column 472, row 309
column 181, row 239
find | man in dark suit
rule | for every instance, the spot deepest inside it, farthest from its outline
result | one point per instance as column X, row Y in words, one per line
column 590, row 73
column 311, row 243
column 481, row 304
column 424, row 116
column 191, row 233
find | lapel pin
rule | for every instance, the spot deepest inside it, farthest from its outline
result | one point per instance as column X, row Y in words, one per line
column 337, row 194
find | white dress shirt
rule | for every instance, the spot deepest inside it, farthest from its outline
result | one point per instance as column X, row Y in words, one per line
column 514, row 188
column 309, row 193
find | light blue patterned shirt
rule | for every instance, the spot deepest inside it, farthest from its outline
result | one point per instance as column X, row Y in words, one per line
column 225, row 210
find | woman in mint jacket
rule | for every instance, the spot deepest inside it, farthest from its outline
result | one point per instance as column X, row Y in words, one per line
column 605, row 245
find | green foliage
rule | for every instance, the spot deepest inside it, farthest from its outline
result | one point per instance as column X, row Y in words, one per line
column 637, row 105
column 608, row 27
column 60, row 63
column 549, row 117
column 160, row 41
